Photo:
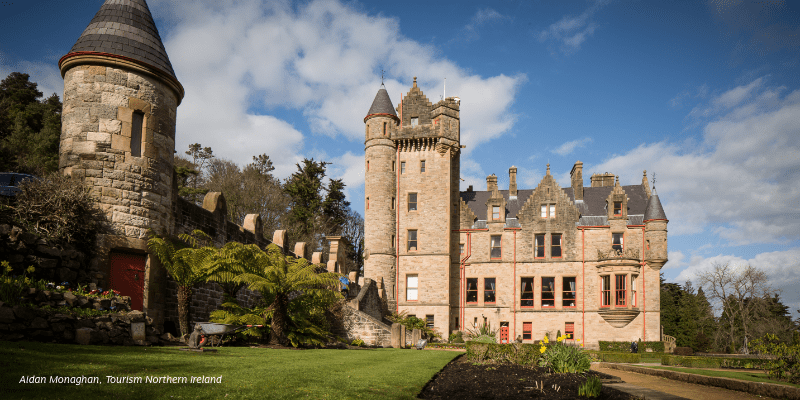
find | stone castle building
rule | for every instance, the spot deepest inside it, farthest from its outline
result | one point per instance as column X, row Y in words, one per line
column 584, row 261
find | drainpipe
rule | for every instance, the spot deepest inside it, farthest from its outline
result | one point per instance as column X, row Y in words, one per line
column 397, row 228
column 583, row 286
column 514, row 293
column 644, row 291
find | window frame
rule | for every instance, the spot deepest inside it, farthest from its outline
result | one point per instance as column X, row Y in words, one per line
column 537, row 246
column 402, row 167
column 409, row 287
column 522, row 292
column 430, row 321
column 551, row 211
column 422, row 166
column 552, row 292
column 605, row 294
column 569, row 330
column 495, row 213
column 617, row 208
column 565, row 291
column 467, row 291
column 415, row 202
column 409, row 233
column 137, row 135
column 633, row 290
column 544, row 211
column 621, row 244
column 527, row 330
column 620, row 295
column 486, row 291
column 499, row 247
column 553, row 246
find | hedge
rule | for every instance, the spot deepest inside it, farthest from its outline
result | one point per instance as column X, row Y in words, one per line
column 656, row 347
column 516, row 353
column 617, row 357
column 713, row 362
column 445, row 345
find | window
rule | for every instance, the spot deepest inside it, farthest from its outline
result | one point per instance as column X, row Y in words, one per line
column 393, row 167
column 616, row 241
column 137, row 126
column 617, row 208
column 472, row 290
column 392, row 241
column 384, row 129
column 422, row 166
column 412, row 202
column 605, row 293
column 526, row 293
column 402, row 167
column 393, row 203
column 633, row 290
column 367, row 203
column 461, row 248
column 488, row 290
column 414, row 121
column 412, row 286
column 527, row 328
column 412, row 240
column 555, row 245
column 568, row 295
column 552, row 210
column 496, row 250
column 548, row 292
column 621, row 292
column 569, row 330
column 495, row 212
column 429, row 321
column 539, row 249
column 544, row 211
column 367, row 165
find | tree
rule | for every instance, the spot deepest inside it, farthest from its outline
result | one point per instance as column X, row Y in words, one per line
column 29, row 128
column 200, row 158
column 296, row 292
column 304, row 188
column 186, row 265
column 734, row 289
column 353, row 231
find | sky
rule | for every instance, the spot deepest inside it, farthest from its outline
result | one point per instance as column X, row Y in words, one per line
column 703, row 94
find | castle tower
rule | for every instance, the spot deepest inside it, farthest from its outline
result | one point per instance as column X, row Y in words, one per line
column 380, row 202
column 118, row 136
column 655, row 222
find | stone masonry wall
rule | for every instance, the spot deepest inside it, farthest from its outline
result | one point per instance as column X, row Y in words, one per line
column 56, row 264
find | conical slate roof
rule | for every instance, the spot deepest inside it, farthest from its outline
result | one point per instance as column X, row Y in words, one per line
column 382, row 104
column 654, row 209
column 125, row 28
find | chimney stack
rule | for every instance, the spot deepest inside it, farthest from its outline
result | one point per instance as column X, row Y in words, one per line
column 576, row 176
column 491, row 183
column 512, row 182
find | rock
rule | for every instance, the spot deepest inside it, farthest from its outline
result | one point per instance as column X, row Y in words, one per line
column 42, row 334
column 28, row 238
column 152, row 339
column 13, row 336
column 84, row 323
column 84, row 303
column 69, row 335
column 105, row 303
column 42, row 297
column 103, row 336
column 6, row 315
column 115, row 332
column 49, row 251
column 14, row 234
column 136, row 316
column 5, row 327
column 5, row 229
column 48, row 263
column 16, row 258
column 86, row 336
column 60, row 327
column 24, row 313
column 65, row 274
column 70, row 298
column 169, row 338
column 39, row 323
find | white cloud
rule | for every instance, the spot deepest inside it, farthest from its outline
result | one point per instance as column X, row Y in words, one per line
column 241, row 60
column 46, row 75
column 482, row 17
column 572, row 31
column 740, row 182
column 782, row 269
column 676, row 260
column 569, row 147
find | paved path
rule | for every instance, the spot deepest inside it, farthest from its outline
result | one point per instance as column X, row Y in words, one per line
column 674, row 388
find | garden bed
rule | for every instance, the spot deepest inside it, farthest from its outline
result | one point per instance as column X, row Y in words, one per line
column 462, row 379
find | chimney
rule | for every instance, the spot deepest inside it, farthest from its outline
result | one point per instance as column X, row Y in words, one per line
column 576, row 175
column 603, row 180
column 512, row 181
column 469, row 189
column 491, row 183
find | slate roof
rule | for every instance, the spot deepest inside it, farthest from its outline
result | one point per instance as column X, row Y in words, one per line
column 654, row 209
column 125, row 28
column 592, row 208
column 382, row 103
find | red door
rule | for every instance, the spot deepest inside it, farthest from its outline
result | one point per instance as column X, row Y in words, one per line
column 503, row 334
column 127, row 276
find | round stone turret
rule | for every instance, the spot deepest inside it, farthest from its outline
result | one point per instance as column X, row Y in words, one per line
column 655, row 222
column 380, row 197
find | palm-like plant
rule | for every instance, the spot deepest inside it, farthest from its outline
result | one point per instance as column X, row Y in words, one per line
column 186, row 266
column 292, row 287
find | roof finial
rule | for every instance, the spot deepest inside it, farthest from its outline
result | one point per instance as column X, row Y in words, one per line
column 548, row 168
column 382, row 71
column 617, row 180
column 654, row 181
column 415, row 81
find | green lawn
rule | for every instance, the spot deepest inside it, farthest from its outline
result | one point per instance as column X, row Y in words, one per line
column 245, row 372
column 745, row 376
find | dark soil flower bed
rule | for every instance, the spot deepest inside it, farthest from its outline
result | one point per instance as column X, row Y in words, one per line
column 461, row 379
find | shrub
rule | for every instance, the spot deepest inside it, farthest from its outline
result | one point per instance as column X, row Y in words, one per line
column 483, row 334
column 456, row 337
column 656, row 347
column 591, row 388
column 683, row 351
column 713, row 362
column 786, row 364
column 13, row 287
column 358, row 343
column 515, row 353
column 566, row 359
column 631, row 358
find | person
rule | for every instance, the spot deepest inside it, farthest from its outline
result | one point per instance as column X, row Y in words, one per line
column 345, row 282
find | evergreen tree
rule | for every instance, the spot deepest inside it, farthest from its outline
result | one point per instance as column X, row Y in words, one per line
column 304, row 188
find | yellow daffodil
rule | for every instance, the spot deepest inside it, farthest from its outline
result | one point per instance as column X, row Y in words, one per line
column 579, row 340
column 560, row 339
column 546, row 340
column 542, row 349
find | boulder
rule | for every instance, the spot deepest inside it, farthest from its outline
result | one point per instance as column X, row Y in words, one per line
column 136, row 316
column 70, row 298
column 39, row 323
column 86, row 336
column 6, row 315
column 24, row 313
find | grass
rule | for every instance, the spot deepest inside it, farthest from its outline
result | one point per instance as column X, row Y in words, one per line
column 246, row 373
column 745, row 376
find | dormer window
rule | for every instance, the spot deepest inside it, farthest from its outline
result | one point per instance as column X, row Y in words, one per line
column 617, row 208
column 414, row 121
column 495, row 213
column 616, row 241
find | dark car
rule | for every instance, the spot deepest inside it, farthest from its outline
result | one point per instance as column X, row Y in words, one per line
column 9, row 182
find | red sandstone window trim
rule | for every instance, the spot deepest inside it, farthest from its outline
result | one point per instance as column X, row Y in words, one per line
column 605, row 291
column 526, row 299
column 472, row 291
column 527, row 329
column 620, row 299
column 568, row 290
column 555, row 245
column 548, row 296
column 569, row 330
column 538, row 245
column 489, row 291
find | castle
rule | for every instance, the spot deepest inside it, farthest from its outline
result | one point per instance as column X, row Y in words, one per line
column 583, row 261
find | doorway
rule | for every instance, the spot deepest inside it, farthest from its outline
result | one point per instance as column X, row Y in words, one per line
column 127, row 276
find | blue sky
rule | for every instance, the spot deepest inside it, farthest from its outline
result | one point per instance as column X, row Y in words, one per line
column 704, row 94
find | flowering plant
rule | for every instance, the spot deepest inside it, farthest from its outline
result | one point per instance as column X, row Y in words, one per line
column 562, row 358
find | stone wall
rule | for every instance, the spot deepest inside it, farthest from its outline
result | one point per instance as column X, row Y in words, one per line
column 206, row 298
column 54, row 263
column 351, row 324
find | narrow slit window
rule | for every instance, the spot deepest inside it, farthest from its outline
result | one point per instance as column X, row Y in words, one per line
column 605, row 293
column 569, row 294
column 367, row 203
column 393, row 200
column 384, row 129
column 548, row 292
column 555, row 245
column 526, row 292
column 488, row 290
column 393, row 237
column 137, row 125
column 544, row 211
column 496, row 250
column 472, row 290
column 422, row 166
column 633, row 290
column 367, row 165
column 402, row 167
column 552, row 210
column 539, row 246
